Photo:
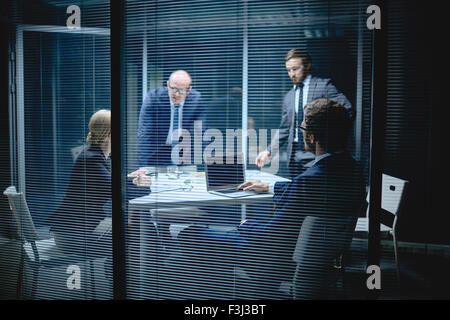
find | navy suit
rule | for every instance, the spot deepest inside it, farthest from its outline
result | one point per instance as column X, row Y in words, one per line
column 154, row 125
column 333, row 188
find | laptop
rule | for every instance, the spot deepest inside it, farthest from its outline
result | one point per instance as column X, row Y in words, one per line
column 222, row 179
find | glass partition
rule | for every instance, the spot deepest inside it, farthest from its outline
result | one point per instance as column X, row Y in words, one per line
column 206, row 91
column 59, row 194
column 224, row 60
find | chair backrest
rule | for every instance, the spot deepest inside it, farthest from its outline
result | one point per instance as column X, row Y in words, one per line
column 19, row 207
column 319, row 242
column 393, row 195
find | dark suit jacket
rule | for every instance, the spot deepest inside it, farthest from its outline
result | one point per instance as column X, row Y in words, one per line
column 154, row 125
column 333, row 188
column 318, row 88
column 88, row 196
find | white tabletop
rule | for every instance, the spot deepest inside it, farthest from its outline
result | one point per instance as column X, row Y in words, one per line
column 169, row 193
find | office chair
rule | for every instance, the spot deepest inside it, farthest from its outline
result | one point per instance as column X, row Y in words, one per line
column 393, row 198
column 319, row 243
column 393, row 202
column 40, row 253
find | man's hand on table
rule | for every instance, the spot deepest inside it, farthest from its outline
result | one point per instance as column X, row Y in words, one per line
column 140, row 178
column 254, row 186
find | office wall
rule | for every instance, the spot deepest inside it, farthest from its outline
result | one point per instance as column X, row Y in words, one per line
column 414, row 137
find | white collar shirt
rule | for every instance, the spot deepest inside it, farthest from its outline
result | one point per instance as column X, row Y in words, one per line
column 304, row 99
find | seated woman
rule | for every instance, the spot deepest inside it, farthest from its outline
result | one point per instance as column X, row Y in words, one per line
column 88, row 196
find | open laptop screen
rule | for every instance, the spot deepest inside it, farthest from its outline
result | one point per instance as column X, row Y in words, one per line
column 223, row 176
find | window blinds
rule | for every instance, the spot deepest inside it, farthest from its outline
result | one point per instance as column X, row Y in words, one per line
column 62, row 77
column 234, row 53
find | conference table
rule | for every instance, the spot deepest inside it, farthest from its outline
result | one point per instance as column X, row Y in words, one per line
column 188, row 190
column 176, row 199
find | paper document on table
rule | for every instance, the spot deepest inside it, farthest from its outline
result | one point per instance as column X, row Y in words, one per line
column 165, row 186
column 162, row 186
column 253, row 175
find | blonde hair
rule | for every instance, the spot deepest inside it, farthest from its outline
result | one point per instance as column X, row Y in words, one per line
column 99, row 127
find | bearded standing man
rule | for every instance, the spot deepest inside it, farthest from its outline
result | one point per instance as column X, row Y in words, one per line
column 306, row 88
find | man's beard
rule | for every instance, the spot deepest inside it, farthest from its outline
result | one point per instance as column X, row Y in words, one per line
column 310, row 147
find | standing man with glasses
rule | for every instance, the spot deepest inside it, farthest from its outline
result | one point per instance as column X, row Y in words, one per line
column 306, row 88
column 164, row 111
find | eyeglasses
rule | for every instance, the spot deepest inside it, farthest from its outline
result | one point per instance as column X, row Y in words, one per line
column 180, row 91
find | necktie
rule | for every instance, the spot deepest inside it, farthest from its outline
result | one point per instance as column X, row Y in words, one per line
column 299, row 115
column 300, row 97
column 175, row 127
column 176, row 117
